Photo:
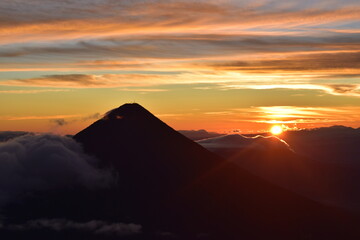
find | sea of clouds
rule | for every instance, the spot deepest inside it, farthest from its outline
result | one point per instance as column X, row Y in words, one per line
column 41, row 162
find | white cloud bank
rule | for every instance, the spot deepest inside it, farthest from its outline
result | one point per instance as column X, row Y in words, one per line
column 33, row 163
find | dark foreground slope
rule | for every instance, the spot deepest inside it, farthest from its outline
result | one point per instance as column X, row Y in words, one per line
column 173, row 186
column 318, row 178
column 272, row 159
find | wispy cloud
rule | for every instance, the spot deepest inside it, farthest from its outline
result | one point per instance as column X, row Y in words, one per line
column 89, row 81
column 143, row 89
column 49, row 117
column 298, row 115
column 334, row 89
column 263, row 40
column 290, row 116
column 33, row 91
column 335, row 62
column 147, row 83
column 86, row 18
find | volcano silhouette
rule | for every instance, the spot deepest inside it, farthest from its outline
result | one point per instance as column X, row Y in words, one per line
column 172, row 185
column 144, row 150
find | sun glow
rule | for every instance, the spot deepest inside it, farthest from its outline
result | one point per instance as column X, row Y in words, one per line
column 276, row 130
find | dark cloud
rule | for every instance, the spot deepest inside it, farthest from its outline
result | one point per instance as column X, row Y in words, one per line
column 345, row 88
column 94, row 226
column 323, row 61
column 167, row 45
column 43, row 162
column 7, row 135
column 91, row 81
column 175, row 13
column 198, row 134
column 59, row 122
column 58, row 80
column 62, row 122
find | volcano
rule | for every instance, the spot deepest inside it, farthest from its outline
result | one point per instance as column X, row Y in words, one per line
column 171, row 184
column 145, row 151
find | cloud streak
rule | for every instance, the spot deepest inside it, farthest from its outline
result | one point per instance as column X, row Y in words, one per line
column 85, row 18
column 51, row 117
column 294, row 115
column 308, row 62
column 262, row 40
column 33, row 91
column 137, row 82
column 89, row 81
column 291, row 117
column 334, row 89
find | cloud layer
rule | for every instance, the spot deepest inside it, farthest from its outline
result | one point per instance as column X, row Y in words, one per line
column 267, row 39
column 32, row 163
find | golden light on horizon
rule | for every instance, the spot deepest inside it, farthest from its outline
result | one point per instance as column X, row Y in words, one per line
column 206, row 72
column 276, row 130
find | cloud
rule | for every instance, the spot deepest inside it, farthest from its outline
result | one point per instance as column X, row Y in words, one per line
column 32, row 163
column 345, row 89
column 7, row 135
column 333, row 89
column 84, row 18
column 59, row 122
column 92, row 117
column 238, row 141
column 143, row 90
column 289, row 116
column 223, row 80
column 142, row 51
column 94, row 226
column 34, row 91
column 62, row 122
column 89, row 81
column 51, row 117
column 293, row 114
column 118, row 39
column 268, row 38
column 299, row 62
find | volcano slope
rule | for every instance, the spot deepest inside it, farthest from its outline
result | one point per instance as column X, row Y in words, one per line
column 172, row 185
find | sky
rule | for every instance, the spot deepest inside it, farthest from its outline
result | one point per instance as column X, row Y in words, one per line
column 224, row 66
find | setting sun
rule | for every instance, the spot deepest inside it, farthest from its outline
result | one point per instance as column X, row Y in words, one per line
column 276, row 130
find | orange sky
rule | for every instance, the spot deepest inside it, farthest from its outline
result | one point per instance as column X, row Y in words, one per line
column 217, row 65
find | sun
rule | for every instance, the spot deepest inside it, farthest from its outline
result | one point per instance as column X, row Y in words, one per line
column 276, row 130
